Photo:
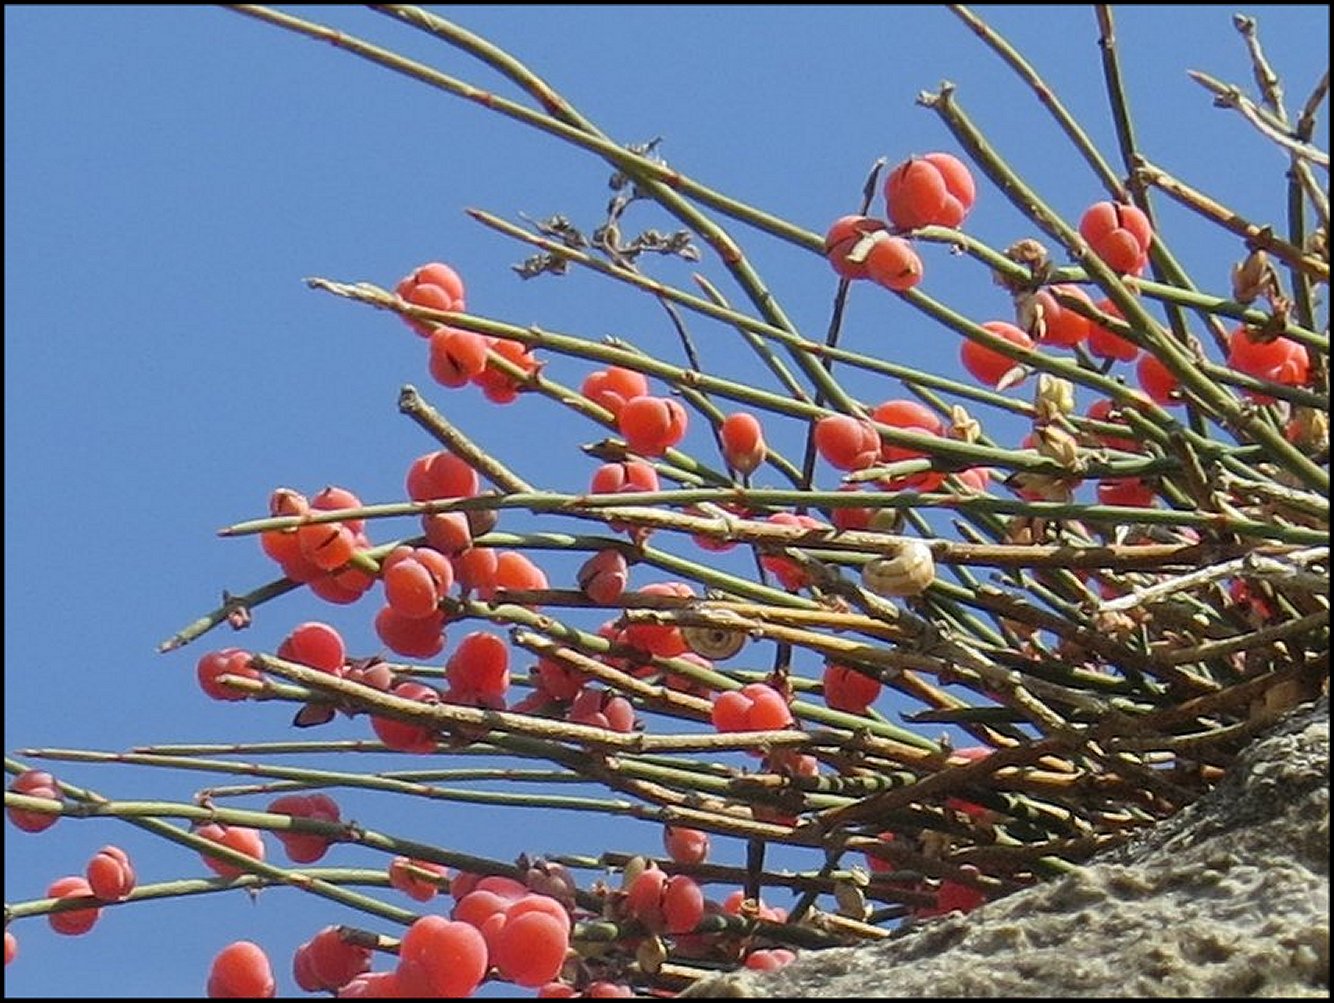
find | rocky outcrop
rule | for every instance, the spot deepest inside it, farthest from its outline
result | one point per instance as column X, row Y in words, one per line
column 1230, row 897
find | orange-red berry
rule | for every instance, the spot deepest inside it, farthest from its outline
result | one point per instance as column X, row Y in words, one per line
column 652, row 425
column 1106, row 343
column 892, row 263
column 435, row 286
column 935, row 189
column 401, row 876
column 988, row 365
column 846, row 244
column 613, row 386
column 1057, row 324
column 72, row 922
column 241, row 970
column 1119, row 234
column 439, row 957
column 111, row 874
column 456, row 356
column 742, row 437
column 37, row 784
column 305, row 847
column 240, row 838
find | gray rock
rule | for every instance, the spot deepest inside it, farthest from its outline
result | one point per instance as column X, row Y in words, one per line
column 1230, row 897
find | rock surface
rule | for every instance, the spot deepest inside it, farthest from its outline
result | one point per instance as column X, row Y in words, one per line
column 1230, row 897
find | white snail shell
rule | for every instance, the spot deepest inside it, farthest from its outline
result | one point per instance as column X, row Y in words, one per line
column 713, row 642
column 907, row 573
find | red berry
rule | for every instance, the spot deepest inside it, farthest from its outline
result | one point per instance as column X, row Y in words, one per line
column 789, row 573
column 892, row 263
column 410, row 884
column 847, row 443
column 37, row 784
column 404, row 736
column 332, row 962
column 662, row 639
column 434, row 285
column 561, row 682
column 227, row 662
column 333, row 498
column 241, row 970
column 1105, row 410
column 304, row 847
column 603, row 576
column 110, row 874
column 1280, row 360
column 686, row 846
column 987, row 365
column 373, row 985
column 530, row 947
column 1107, row 344
column 326, row 545
column 1130, row 491
column 618, row 478
column 410, row 637
column 499, row 387
column 844, row 244
column 415, row 580
column 769, row 959
column 315, row 644
column 754, row 707
column 1055, row 324
column 441, row 475
column 448, row 532
column 480, row 665
column 234, row 837
column 743, row 442
column 613, row 386
column 515, row 572
column 1156, row 380
column 475, row 568
column 848, row 690
column 456, row 356
column 934, row 189
column 682, row 904
column 438, row 957
column 11, row 947
column 652, row 425
column 603, row 709
column 74, row 921
column 914, row 417
column 1119, row 234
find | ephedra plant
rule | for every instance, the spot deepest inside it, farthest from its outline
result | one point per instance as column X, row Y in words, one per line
column 772, row 624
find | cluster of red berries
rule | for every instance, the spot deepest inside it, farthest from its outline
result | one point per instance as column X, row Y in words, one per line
column 457, row 356
column 934, row 190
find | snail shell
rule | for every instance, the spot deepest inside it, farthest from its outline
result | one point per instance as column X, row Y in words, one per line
column 907, row 573
column 713, row 642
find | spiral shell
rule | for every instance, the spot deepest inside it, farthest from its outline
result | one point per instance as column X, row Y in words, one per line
column 907, row 573
column 713, row 642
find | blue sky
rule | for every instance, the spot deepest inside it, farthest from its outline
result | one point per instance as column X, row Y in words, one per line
column 172, row 174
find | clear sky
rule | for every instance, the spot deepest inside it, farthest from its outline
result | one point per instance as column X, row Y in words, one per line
column 172, row 174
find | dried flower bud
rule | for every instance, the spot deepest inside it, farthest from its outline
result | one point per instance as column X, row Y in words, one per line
column 1059, row 445
column 1042, row 487
column 1254, row 277
column 963, row 426
column 907, row 573
column 651, row 955
column 851, row 900
column 1033, row 255
column 1308, row 429
column 1054, row 397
